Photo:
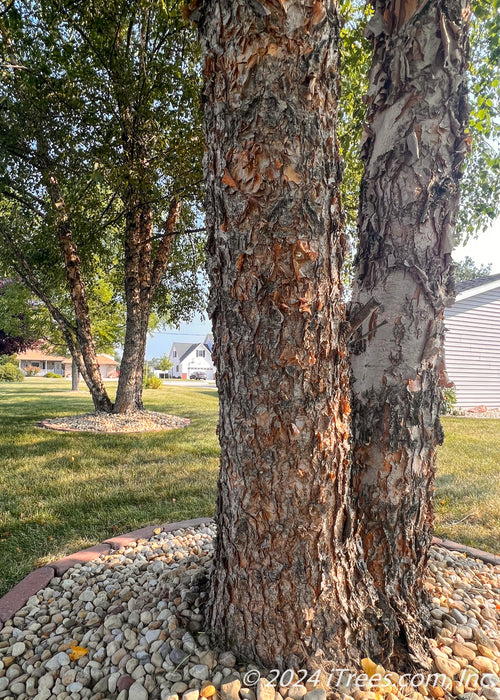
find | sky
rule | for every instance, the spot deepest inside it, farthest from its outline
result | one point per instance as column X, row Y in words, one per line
column 161, row 342
column 483, row 250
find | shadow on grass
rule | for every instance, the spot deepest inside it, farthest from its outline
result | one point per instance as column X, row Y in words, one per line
column 62, row 491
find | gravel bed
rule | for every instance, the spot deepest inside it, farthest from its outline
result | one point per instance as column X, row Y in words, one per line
column 129, row 626
column 482, row 412
column 136, row 422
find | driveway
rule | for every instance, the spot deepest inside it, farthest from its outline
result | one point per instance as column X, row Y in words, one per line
column 205, row 383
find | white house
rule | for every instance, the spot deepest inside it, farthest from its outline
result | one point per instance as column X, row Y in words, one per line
column 188, row 358
column 472, row 342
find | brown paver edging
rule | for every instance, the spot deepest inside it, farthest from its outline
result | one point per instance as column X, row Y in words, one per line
column 17, row 597
column 82, row 557
column 487, row 557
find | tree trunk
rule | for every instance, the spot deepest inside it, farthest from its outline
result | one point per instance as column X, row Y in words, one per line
column 144, row 272
column 284, row 586
column 138, row 265
column 75, row 376
column 68, row 329
column 413, row 149
column 78, row 297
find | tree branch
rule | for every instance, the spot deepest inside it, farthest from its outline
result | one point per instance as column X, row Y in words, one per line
column 179, row 233
column 23, row 269
column 21, row 200
column 165, row 247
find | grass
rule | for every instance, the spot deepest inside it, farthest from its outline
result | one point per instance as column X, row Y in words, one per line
column 467, row 498
column 60, row 492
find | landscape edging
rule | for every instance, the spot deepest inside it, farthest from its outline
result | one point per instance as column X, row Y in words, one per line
column 17, row 597
column 487, row 557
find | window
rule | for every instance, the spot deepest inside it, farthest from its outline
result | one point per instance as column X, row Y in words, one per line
column 177, row 369
column 174, row 353
column 200, row 353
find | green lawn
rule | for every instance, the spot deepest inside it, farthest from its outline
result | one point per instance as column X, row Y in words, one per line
column 468, row 483
column 60, row 492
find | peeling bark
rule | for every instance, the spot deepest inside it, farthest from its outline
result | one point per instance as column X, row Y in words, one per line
column 138, row 253
column 143, row 273
column 67, row 328
column 286, row 588
column 413, row 149
column 76, row 285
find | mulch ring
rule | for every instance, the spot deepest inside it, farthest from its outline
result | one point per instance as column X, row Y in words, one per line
column 136, row 422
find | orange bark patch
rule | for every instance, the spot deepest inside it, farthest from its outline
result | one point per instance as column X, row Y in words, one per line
column 405, row 9
column 345, row 406
column 228, row 179
column 291, row 175
column 304, row 306
column 318, row 13
column 302, row 251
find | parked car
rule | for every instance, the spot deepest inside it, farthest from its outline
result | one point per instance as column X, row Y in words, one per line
column 198, row 375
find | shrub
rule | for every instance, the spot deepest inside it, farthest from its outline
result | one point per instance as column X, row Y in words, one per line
column 449, row 402
column 31, row 371
column 10, row 373
column 151, row 381
column 53, row 375
column 8, row 360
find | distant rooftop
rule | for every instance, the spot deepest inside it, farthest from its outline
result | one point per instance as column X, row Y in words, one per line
column 478, row 282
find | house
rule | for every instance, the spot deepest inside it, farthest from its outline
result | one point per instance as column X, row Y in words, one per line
column 188, row 358
column 108, row 366
column 472, row 342
column 46, row 362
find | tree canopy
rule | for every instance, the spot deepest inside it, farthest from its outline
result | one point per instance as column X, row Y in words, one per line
column 99, row 121
column 467, row 269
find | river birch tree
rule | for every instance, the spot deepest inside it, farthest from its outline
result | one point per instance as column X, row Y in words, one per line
column 305, row 566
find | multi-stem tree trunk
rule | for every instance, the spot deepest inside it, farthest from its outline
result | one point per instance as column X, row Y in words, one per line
column 143, row 273
column 70, row 331
column 413, row 151
column 284, row 586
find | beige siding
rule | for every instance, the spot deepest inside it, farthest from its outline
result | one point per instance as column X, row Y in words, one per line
column 472, row 348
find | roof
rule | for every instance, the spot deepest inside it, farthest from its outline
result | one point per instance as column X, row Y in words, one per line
column 478, row 282
column 106, row 360
column 185, row 349
column 38, row 355
column 470, row 288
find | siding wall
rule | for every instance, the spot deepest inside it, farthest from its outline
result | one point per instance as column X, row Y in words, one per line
column 472, row 349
